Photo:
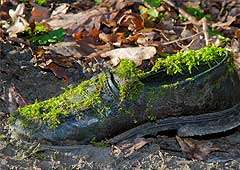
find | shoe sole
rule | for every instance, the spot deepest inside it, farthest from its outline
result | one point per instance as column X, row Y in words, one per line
column 187, row 126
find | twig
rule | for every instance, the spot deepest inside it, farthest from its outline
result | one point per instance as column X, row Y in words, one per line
column 205, row 30
column 182, row 39
column 191, row 18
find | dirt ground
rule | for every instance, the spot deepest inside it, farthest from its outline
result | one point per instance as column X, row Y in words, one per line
column 162, row 153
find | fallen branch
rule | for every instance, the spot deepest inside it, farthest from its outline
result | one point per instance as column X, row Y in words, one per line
column 205, row 30
column 182, row 39
column 191, row 18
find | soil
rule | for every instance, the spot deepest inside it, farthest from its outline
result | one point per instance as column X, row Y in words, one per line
column 33, row 83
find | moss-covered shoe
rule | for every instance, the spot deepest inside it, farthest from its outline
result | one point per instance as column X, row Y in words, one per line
column 193, row 92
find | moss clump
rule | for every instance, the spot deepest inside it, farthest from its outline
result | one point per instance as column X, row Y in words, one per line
column 132, row 86
column 81, row 97
column 185, row 62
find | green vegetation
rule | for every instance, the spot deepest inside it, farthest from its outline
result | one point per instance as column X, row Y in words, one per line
column 214, row 32
column 223, row 41
column 48, row 37
column 154, row 3
column 40, row 29
column 2, row 137
column 132, row 87
column 98, row 2
column 73, row 99
column 197, row 12
column 99, row 144
column 40, row 34
column 41, row 2
column 186, row 61
column 151, row 10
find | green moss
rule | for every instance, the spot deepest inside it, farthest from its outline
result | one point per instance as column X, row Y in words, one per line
column 186, row 61
column 40, row 29
column 2, row 137
column 41, row 2
column 82, row 97
column 132, row 86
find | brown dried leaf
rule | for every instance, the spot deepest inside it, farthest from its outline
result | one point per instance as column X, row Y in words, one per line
column 132, row 21
column 71, row 49
column 225, row 25
column 147, row 37
column 4, row 11
column 196, row 149
column 76, row 22
column 136, row 54
column 80, row 35
column 94, row 33
column 116, row 39
column 57, row 71
column 127, row 148
column 108, row 38
column 138, row 144
column 237, row 33
column 13, row 99
column 39, row 13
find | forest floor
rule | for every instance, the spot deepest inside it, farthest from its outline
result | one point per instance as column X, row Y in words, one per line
column 27, row 75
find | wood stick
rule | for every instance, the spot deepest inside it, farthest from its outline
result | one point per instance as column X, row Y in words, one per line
column 191, row 18
column 182, row 39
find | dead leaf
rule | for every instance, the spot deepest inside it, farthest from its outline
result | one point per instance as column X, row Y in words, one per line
column 19, row 23
column 75, row 22
column 14, row 14
column 225, row 25
column 127, row 148
column 4, row 10
column 120, row 4
column 196, row 149
column 136, row 54
column 13, row 99
column 38, row 13
column 18, row 97
column 19, row 26
column 80, row 35
column 132, row 21
column 57, row 71
column 116, row 39
column 147, row 37
column 138, row 144
column 235, row 46
column 94, row 33
column 237, row 33
column 71, row 49
column 2, row 36
column 61, row 10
